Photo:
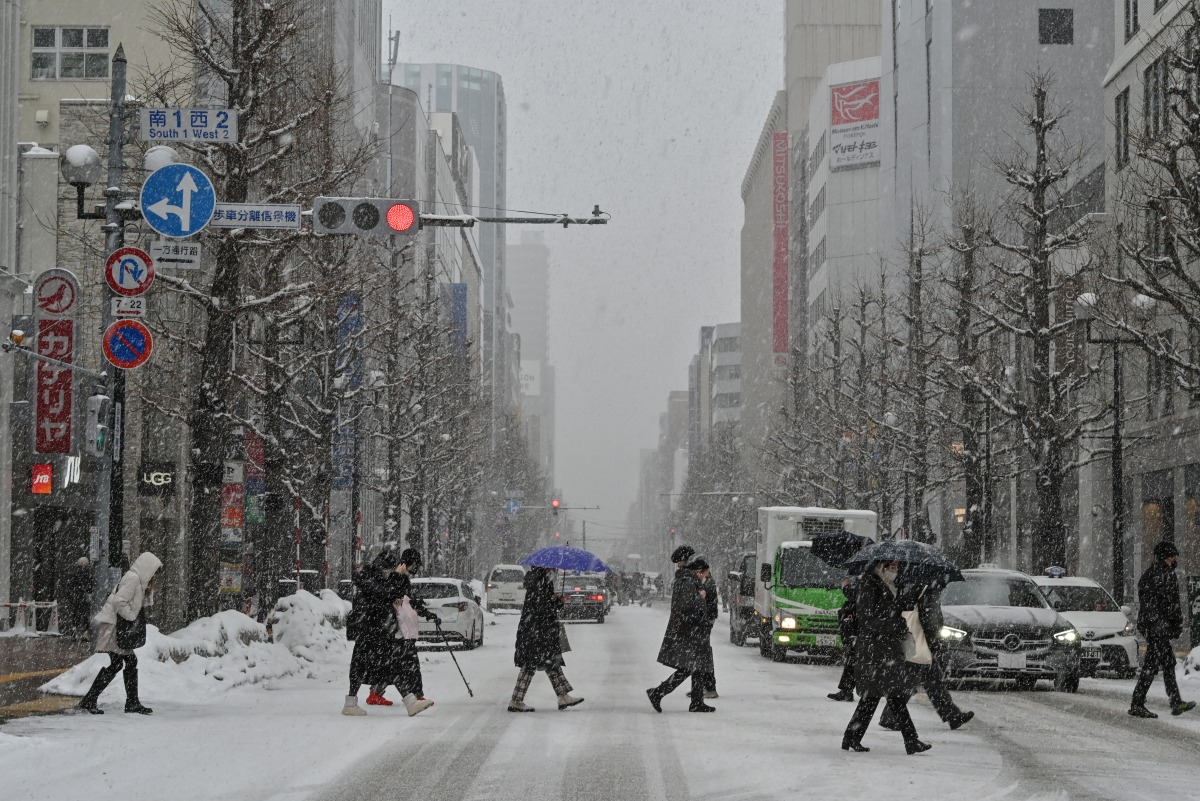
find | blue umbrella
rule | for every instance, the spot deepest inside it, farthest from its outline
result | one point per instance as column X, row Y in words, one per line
column 920, row 563
column 564, row 557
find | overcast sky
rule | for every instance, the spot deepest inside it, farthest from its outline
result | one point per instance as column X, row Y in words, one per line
column 652, row 110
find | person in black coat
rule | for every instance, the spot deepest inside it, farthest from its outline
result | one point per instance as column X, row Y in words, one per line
column 685, row 646
column 539, row 645
column 933, row 676
column 1160, row 619
column 848, row 628
column 712, row 610
column 881, row 670
column 402, row 666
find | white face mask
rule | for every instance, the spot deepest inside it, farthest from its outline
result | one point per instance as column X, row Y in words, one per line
column 890, row 575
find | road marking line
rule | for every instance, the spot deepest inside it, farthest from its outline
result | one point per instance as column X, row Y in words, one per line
column 10, row 677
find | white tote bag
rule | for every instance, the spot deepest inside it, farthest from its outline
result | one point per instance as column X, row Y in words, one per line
column 406, row 616
column 916, row 647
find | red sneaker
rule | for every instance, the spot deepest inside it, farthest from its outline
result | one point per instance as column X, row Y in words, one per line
column 375, row 699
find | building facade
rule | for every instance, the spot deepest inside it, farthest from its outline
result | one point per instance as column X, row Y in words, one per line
column 529, row 263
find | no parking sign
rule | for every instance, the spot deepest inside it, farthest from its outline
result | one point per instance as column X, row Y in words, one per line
column 127, row 344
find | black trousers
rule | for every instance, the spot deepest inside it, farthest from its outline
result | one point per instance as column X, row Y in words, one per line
column 1159, row 656
column 677, row 678
column 933, row 679
column 117, row 663
column 897, row 707
column 846, row 682
column 368, row 661
column 405, row 671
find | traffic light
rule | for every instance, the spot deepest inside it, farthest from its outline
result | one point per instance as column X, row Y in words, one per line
column 558, row 533
column 365, row 216
column 97, row 425
column 554, row 504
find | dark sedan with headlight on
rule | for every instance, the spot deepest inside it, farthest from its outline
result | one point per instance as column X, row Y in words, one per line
column 998, row 625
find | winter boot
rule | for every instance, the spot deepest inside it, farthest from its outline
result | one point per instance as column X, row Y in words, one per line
column 566, row 700
column 841, row 695
column 137, row 708
column 377, row 699
column 519, row 706
column 711, row 694
column 853, row 745
column 414, row 705
column 1182, row 706
column 1140, row 711
column 698, row 704
column 352, row 708
column 88, row 705
column 656, row 697
column 915, row 746
column 959, row 718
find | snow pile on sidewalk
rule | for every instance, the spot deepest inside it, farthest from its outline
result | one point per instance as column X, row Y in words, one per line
column 1191, row 665
column 216, row 654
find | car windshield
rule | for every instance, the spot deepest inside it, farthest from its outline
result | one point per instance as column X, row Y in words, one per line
column 1080, row 599
column 508, row 576
column 993, row 591
column 799, row 568
column 435, row 589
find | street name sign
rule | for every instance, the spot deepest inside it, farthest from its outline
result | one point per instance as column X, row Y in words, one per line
column 188, row 125
column 180, row 255
column 256, row 215
column 127, row 344
column 129, row 271
column 178, row 200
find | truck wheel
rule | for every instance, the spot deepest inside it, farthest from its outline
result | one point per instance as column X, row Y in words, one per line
column 778, row 654
column 764, row 641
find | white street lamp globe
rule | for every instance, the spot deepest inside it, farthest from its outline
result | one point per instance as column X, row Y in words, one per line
column 81, row 166
column 159, row 156
column 1143, row 306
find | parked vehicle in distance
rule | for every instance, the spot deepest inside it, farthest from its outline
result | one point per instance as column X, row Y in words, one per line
column 584, row 597
column 457, row 609
column 1108, row 638
column 999, row 625
column 739, row 589
column 505, row 587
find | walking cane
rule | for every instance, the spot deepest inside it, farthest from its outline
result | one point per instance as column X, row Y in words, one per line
column 438, row 625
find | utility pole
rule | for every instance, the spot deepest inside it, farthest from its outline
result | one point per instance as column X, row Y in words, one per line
column 585, row 535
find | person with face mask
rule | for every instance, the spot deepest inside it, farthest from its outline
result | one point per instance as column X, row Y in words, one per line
column 1160, row 619
column 881, row 667
column 402, row 666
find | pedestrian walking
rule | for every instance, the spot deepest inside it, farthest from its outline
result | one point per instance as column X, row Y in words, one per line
column 540, row 641
column 116, row 636
column 933, row 675
column 403, row 667
column 685, row 645
column 1160, row 620
column 77, row 598
column 882, row 669
column 372, row 625
column 708, row 585
column 848, row 628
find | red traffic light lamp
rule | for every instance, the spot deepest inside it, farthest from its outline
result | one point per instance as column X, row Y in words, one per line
column 558, row 533
column 554, row 504
column 401, row 217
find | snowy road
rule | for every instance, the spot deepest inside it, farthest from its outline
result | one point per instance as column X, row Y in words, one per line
column 775, row 735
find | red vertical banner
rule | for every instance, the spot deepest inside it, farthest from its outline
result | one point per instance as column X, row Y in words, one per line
column 56, row 294
column 779, row 262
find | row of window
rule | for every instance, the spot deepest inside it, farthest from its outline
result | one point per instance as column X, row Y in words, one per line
column 1156, row 108
column 1132, row 22
column 69, row 53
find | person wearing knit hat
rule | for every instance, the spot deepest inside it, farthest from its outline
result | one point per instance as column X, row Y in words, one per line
column 684, row 640
column 1160, row 619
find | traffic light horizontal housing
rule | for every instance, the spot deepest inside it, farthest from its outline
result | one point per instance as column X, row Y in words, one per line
column 366, row 216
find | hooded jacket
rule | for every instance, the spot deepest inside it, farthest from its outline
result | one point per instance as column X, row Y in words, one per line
column 130, row 594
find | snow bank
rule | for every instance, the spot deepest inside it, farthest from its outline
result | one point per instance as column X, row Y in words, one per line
column 216, row 654
column 1191, row 665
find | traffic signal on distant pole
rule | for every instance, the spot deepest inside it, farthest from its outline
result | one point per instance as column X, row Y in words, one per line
column 366, row 216
column 97, row 428
column 554, row 504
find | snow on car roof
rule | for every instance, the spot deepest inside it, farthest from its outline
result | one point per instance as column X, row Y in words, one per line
column 1070, row 581
column 796, row 544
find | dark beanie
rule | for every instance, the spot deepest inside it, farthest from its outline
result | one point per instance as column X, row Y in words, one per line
column 411, row 557
column 699, row 563
column 683, row 553
column 387, row 559
column 1165, row 550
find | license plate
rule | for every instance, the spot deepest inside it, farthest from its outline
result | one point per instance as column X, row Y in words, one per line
column 826, row 639
column 1010, row 661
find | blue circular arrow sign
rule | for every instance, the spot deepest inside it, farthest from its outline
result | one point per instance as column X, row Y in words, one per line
column 178, row 200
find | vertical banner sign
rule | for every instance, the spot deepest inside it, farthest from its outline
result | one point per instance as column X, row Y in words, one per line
column 233, row 504
column 255, row 480
column 56, row 301
column 854, row 124
column 347, row 347
column 779, row 262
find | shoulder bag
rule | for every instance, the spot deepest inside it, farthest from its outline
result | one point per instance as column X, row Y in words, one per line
column 131, row 634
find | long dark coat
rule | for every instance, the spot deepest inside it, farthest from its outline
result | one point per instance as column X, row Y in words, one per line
column 1159, row 611
column 686, row 644
column 879, row 666
column 847, row 620
column 538, row 646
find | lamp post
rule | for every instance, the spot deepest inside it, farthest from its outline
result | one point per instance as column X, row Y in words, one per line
column 1085, row 310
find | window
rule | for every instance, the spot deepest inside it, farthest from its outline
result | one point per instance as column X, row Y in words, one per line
column 1056, row 26
column 1154, row 100
column 727, row 345
column 1121, row 125
column 817, row 207
column 1131, row 19
column 818, row 257
column 69, row 54
column 1158, row 4
column 728, row 372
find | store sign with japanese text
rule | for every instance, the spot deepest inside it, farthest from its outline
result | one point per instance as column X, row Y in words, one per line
column 854, row 124
column 56, row 301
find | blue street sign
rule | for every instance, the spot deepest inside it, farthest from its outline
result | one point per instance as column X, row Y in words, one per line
column 512, row 506
column 127, row 344
column 178, row 200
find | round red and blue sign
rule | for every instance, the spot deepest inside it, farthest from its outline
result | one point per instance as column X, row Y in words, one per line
column 127, row 344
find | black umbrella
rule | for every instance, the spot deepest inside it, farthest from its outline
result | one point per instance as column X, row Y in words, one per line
column 835, row 549
column 919, row 563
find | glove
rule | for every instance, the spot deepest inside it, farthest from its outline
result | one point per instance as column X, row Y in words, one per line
column 425, row 613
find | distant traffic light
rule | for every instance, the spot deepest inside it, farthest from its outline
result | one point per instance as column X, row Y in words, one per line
column 365, row 216
column 558, row 533
column 97, row 428
column 554, row 504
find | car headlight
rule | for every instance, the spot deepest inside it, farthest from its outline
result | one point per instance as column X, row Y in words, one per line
column 788, row 623
column 951, row 633
column 1129, row 630
column 1068, row 636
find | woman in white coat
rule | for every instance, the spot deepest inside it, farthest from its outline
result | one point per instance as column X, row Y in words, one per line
column 126, row 601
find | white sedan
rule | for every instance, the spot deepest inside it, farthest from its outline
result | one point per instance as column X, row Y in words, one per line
column 457, row 609
column 1107, row 635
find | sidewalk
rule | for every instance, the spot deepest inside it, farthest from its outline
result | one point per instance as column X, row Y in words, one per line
column 26, row 663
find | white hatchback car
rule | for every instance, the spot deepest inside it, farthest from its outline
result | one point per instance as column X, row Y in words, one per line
column 457, row 609
column 505, row 587
column 1106, row 633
